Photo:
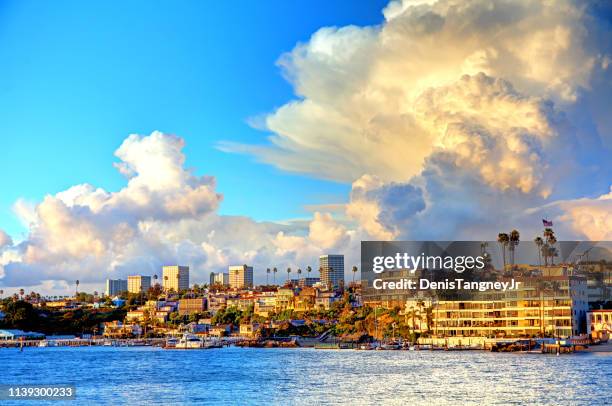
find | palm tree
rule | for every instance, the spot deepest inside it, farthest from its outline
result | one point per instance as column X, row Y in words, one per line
column 515, row 238
column 274, row 275
column 299, row 272
column 354, row 272
column 549, row 249
column 77, row 286
column 288, row 272
column 503, row 239
column 309, row 270
column 539, row 242
column 1, row 293
column 155, row 280
column 267, row 275
column 21, row 293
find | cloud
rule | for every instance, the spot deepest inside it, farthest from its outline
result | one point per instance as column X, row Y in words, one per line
column 165, row 214
column 365, row 93
column 452, row 119
column 591, row 217
column 5, row 239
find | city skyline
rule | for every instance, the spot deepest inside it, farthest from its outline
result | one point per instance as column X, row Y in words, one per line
column 362, row 131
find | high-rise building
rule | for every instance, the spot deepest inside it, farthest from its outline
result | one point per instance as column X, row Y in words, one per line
column 116, row 286
column 332, row 270
column 307, row 282
column 241, row 276
column 219, row 278
column 138, row 283
column 175, row 277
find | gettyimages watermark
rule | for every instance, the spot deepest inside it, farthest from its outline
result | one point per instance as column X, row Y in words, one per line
column 469, row 270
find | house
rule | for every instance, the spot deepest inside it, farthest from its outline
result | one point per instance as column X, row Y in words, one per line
column 116, row 329
column 221, row 330
column 12, row 334
column 599, row 324
column 249, row 329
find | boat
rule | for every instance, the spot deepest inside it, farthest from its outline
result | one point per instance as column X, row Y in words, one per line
column 171, row 342
column 391, row 346
column 193, row 342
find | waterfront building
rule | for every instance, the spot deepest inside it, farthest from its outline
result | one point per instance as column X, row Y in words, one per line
column 219, row 278
column 240, row 276
column 265, row 304
column 175, row 278
column 115, row 287
column 332, row 271
column 221, row 330
column 138, row 283
column 599, row 324
column 188, row 306
column 284, row 299
column 554, row 306
column 13, row 334
column 116, row 329
column 249, row 329
column 303, row 282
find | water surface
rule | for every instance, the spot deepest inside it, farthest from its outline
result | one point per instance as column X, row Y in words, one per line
column 145, row 375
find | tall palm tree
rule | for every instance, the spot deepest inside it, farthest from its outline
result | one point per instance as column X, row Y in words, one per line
column 274, row 275
column 549, row 249
column 539, row 242
column 77, row 286
column 354, row 272
column 299, row 272
column 21, row 293
column 515, row 238
column 267, row 275
column 155, row 280
column 288, row 272
column 309, row 270
column 503, row 239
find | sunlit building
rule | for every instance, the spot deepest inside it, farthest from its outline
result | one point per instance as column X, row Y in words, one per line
column 219, row 278
column 240, row 276
column 115, row 286
column 554, row 306
column 175, row 278
column 332, row 270
column 599, row 324
column 138, row 283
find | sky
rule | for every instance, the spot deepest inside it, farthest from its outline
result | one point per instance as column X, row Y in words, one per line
column 140, row 134
column 77, row 78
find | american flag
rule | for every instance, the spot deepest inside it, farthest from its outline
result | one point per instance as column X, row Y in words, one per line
column 547, row 223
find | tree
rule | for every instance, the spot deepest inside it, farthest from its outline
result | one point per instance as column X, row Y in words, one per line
column 21, row 293
column 503, row 239
column 308, row 270
column 288, row 272
column 549, row 250
column 77, row 286
column 267, row 275
column 275, row 271
column 515, row 238
column 354, row 272
column 539, row 242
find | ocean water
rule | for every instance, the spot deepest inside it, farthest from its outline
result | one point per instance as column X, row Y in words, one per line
column 146, row 375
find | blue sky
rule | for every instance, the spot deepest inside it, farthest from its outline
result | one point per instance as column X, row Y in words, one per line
column 77, row 77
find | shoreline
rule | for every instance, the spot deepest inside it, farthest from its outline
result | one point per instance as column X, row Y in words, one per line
column 601, row 348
